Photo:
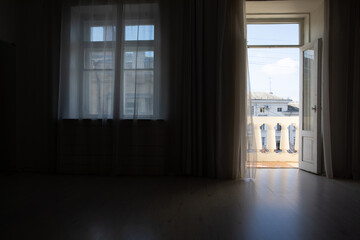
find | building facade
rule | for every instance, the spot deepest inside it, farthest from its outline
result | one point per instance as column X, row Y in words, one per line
column 267, row 104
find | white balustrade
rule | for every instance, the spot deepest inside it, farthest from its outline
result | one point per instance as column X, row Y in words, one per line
column 257, row 133
column 284, row 141
column 271, row 122
column 271, row 143
column 297, row 138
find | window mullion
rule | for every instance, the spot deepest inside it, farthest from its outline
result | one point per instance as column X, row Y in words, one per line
column 118, row 63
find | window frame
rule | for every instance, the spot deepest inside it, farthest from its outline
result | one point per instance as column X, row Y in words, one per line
column 118, row 70
column 304, row 29
column 94, row 45
column 139, row 44
column 255, row 19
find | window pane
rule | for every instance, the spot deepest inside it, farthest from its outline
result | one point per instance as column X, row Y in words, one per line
column 146, row 59
column 273, row 34
column 99, row 96
column 97, row 59
column 129, row 60
column 97, row 34
column 110, row 33
column 308, row 101
column 146, row 32
column 136, row 32
column 131, row 33
column 144, row 56
column 102, row 33
column 138, row 92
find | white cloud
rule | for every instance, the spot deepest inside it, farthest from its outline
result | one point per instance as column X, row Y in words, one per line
column 285, row 66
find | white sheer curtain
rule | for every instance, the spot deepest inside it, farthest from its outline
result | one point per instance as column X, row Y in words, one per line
column 250, row 163
column 182, row 62
column 244, row 156
column 110, row 60
column 109, row 78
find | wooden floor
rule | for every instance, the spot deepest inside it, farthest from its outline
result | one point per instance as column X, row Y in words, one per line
column 279, row 204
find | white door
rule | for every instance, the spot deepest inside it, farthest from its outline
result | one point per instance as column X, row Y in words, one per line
column 310, row 83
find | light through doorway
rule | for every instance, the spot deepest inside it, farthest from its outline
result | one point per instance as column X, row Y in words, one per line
column 273, row 57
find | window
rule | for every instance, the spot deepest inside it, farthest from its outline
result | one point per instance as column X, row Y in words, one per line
column 272, row 33
column 262, row 109
column 98, row 69
column 273, row 56
column 139, row 70
column 110, row 62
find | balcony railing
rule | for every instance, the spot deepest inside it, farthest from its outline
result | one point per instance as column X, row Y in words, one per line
column 272, row 152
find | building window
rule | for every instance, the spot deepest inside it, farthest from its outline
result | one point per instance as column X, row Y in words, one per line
column 279, row 109
column 262, row 110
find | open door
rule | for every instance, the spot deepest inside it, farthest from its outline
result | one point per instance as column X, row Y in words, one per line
column 310, row 83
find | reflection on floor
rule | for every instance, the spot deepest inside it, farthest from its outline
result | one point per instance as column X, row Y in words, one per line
column 277, row 164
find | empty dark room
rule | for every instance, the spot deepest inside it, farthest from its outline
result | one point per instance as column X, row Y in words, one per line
column 180, row 119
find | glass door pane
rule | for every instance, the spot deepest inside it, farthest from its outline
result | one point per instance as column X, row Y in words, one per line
column 308, row 101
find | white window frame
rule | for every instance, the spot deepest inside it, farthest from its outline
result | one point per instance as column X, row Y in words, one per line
column 118, row 67
column 100, row 45
column 302, row 19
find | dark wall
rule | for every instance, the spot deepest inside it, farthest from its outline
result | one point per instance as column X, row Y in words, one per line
column 22, row 22
column 7, row 100
column 7, row 21
column 121, row 147
column 8, row 78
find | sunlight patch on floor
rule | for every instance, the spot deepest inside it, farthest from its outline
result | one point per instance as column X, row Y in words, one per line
column 277, row 164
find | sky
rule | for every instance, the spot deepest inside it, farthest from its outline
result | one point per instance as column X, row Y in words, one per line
column 274, row 69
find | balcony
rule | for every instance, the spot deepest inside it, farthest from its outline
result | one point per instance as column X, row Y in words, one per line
column 273, row 146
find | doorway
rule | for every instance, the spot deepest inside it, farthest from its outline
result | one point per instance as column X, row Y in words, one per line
column 274, row 64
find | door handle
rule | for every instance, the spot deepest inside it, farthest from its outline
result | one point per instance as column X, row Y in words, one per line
column 314, row 108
